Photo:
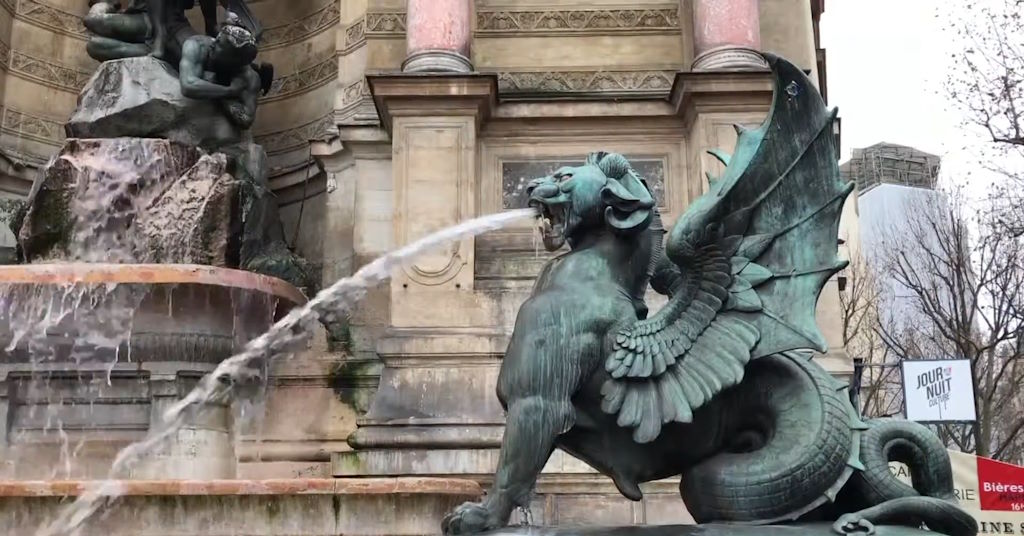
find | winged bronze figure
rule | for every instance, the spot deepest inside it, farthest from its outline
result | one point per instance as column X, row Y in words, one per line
column 720, row 385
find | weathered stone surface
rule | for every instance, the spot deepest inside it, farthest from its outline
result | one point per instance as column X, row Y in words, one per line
column 159, row 201
column 194, row 219
column 104, row 179
column 141, row 97
column 313, row 507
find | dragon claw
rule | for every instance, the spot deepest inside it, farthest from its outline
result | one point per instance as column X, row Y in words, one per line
column 853, row 524
column 469, row 518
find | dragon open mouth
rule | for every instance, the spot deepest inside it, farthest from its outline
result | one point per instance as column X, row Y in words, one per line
column 551, row 223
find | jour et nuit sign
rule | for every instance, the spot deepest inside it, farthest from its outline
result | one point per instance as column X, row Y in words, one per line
column 938, row 390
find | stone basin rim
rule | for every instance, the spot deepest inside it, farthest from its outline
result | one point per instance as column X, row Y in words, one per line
column 291, row 486
column 156, row 274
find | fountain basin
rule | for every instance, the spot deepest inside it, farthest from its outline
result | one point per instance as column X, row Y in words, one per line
column 293, row 507
column 122, row 342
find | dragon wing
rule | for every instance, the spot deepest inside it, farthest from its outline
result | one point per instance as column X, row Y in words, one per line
column 750, row 258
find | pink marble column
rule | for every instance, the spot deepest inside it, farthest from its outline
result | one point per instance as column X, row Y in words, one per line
column 437, row 36
column 726, row 35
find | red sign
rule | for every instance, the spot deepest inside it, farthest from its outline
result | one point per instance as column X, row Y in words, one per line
column 1000, row 485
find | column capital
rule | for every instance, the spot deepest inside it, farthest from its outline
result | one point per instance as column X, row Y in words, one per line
column 409, row 94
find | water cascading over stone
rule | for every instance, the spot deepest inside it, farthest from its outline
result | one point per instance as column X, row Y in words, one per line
column 135, row 233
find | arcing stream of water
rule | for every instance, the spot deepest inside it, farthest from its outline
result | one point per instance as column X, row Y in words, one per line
column 285, row 337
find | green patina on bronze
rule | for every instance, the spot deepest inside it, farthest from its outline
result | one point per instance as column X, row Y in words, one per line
column 718, row 386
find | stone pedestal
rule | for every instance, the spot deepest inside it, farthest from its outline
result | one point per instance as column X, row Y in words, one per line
column 726, row 35
column 284, row 507
column 123, row 343
column 434, row 411
column 437, row 36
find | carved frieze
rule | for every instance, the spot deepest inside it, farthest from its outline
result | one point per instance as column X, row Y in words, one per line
column 34, row 127
column 5, row 56
column 288, row 140
column 355, row 34
column 298, row 30
column 578, row 20
column 602, row 82
column 392, row 23
column 48, row 73
column 382, row 24
column 50, row 17
column 357, row 105
column 323, row 72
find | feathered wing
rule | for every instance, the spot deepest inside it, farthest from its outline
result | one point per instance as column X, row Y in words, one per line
column 753, row 254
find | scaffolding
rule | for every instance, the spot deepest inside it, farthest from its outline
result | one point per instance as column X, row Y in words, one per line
column 888, row 163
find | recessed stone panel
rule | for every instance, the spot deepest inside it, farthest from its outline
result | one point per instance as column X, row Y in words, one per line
column 517, row 174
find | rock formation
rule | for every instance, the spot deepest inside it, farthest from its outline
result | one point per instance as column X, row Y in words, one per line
column 150, row 176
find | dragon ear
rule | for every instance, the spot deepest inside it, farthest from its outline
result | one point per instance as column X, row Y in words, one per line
column 628, row 203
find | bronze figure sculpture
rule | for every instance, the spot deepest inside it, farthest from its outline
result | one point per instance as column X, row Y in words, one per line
column 716, row 386
column 162, row 18
column 220, row 67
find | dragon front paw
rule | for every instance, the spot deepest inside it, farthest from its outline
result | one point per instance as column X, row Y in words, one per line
column 469, row 518
column 853, row 524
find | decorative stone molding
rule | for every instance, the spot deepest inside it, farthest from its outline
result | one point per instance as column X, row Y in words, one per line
column 37, row 128
column 661, row 19
column 50, row 17
column 354, row 92
column 390, row 23
column 374, row 24
column 304, row 28
column 444, row 61
column 287, row 140
column 5, row 56
column 10, row 5
column 357, row 105
column 355, row 35
column 308, row 79
column 604, row 83
column 729, row 58
column 48, row 73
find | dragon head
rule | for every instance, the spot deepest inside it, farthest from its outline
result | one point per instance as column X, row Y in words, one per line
column 574, row 201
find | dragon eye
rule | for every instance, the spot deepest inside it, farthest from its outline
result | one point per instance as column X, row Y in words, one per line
column 564, row 177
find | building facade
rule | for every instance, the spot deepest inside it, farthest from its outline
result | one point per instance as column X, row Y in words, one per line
column 393, row 118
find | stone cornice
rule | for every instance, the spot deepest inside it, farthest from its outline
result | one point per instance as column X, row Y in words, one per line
column 705, row 92
column 655, row 19
column 433, row 94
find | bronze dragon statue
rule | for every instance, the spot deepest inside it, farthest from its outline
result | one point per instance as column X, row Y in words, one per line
column 718, row 386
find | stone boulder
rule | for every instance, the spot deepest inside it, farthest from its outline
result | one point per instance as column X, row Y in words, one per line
column 141, row 97
column 137, row 200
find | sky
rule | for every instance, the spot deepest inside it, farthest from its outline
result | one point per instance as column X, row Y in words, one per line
column 887, row 64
